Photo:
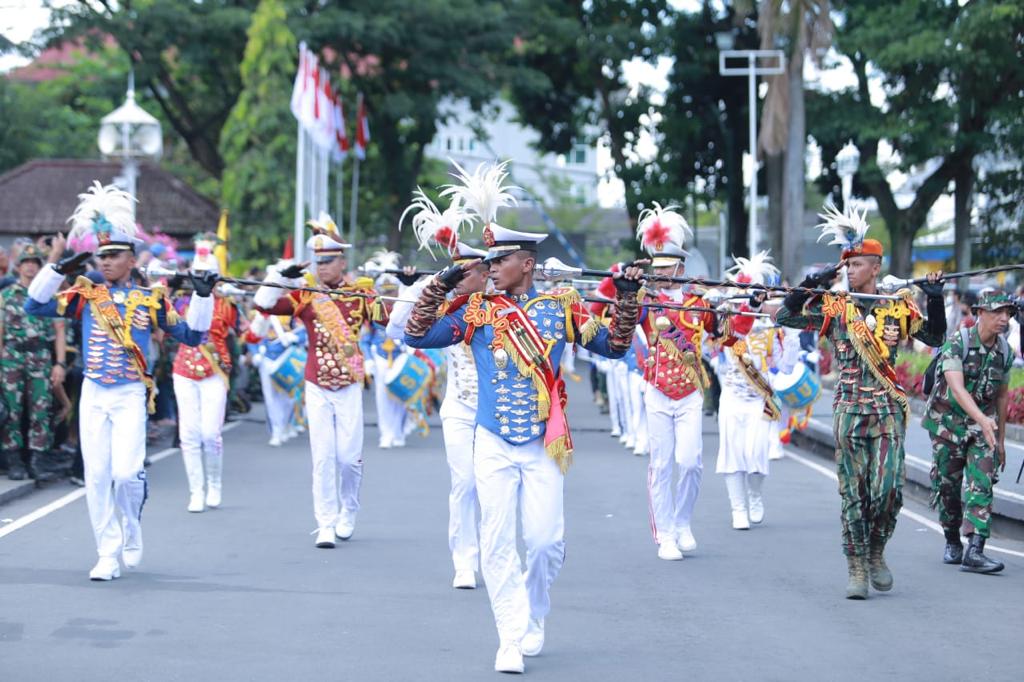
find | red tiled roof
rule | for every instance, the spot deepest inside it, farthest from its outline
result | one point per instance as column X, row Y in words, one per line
column 54, row 61
column 39, row 196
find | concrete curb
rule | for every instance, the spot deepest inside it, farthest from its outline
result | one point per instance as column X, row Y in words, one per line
column 12, row 490
column 819, row 439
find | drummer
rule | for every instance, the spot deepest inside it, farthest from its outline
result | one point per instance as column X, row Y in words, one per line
column 334, row 372
column 275, row 350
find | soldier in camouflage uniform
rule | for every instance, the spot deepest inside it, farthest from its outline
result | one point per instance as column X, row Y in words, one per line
column 966, row 418
column 30, row 345
column 870, row 408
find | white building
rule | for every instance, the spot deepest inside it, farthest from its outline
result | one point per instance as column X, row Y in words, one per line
column 472, row 138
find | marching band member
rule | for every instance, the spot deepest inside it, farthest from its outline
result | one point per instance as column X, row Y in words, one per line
column 676, row 377
column 522, row 446
column 334, row 373
column 201, row 381
column 748, row 408
column 458, row 410
column 118, row 318
column 381, row 353
column 870, row 407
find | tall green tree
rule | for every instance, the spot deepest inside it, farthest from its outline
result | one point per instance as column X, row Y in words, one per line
column 258, row 141
column 953, row 81
column 570, row 82
column 407, row 57
column 704, row 129
column 186, row 56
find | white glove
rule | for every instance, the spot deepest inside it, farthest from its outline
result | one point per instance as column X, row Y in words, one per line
column 289, row 338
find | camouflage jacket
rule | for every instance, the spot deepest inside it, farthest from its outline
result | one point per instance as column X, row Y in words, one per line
column 23, row 333
column 858, row 390
column 985, row 370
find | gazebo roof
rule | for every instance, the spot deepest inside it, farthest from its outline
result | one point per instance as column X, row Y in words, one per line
column 39, row 196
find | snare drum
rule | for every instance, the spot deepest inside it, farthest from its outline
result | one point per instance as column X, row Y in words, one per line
column 799, row 388
column 289, row 369
column 407, row 378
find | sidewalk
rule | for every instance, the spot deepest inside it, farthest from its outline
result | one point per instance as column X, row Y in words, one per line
column 1009, row 496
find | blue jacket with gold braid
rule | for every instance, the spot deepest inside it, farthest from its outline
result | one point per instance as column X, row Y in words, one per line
column 517, row 344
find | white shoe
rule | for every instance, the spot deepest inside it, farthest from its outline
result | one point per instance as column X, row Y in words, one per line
column 106, row 568
column 624, row 438
column 756, row 509
column 325, row 538
column 685, row 539
column 213, row 497
column 669, row 552
column 384, row 446
column 740, row 520
column 615, row 434
column 464, row 580
column 196, row 503
column 275, row 442
column 509, row 659
column 533, row 640
column 346, row 525
column 131, row 551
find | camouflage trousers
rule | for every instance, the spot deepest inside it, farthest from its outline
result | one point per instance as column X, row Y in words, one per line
column 29, row 397
column 870, row 467
column 951, row 462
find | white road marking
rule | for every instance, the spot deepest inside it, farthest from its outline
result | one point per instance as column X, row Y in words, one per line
column 906, row 512
column 64, row 501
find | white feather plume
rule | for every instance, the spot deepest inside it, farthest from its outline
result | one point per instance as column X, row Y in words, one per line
column 847, row 228
column 102, row 204
column 432, row 226
column 759, row 267
column 387, row 260
column 662, row 225
column 483, row 192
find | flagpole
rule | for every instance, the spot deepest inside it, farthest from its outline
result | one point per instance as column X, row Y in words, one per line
column 339, row 191
column 354, row 205
column 300, row 167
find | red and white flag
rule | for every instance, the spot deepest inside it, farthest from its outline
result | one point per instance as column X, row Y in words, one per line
column 362, row 130
column 301, row 88
column 340, row 150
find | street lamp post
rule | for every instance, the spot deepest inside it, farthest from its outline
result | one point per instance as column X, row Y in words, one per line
column 749, row 63
column 130, row 133
column 847, row 161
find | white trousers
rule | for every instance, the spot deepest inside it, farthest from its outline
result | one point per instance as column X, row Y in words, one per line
column 458, row 422
column 112, row 431
column 620, row 375
column 614, row 413
column 674, row 430
column 744, row 435
column 336, row 443
column 391, row 413
column 201, row 405
column 278, row 403
column 637, row 386
column 513, row 480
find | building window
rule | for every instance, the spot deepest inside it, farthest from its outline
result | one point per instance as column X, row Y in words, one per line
column 472, row 144
column 449, row 145
column 462, row 144
column 579, row 155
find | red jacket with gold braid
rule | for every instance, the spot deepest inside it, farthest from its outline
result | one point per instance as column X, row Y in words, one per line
column 675, row 339
column 333, row 322
column 212, row 357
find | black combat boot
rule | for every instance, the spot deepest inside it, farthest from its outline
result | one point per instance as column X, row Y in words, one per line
column 881, row 576
column 975, row 560
column 16, row 467
column 954, row 553
column 857, row 587
column 39, row 466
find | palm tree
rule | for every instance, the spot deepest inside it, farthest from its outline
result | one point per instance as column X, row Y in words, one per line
column 802, row 28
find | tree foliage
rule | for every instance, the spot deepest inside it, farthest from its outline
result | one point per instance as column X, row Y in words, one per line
column 259, row 140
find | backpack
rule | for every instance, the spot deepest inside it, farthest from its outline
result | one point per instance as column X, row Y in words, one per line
column 929, row 374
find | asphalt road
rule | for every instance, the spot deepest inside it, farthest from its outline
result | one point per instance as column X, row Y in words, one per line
column 240, row 593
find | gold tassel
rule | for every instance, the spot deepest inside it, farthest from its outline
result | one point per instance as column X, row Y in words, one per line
column 559, row 450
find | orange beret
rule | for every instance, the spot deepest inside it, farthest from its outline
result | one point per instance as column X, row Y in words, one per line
column 870, row 247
